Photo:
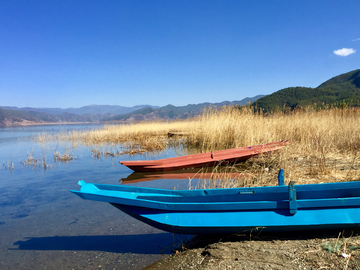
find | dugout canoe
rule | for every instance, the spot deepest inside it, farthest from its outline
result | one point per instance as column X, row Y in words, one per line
column 229, row 156
column 234, row 210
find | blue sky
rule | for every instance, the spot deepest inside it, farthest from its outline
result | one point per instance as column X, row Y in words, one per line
column 71, row 53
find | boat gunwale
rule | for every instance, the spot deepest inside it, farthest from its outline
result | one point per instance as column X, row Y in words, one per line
column 299, row 187
column 164, row 199
column 351, row 202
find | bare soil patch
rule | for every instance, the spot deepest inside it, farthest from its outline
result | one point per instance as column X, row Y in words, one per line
column 301, row 250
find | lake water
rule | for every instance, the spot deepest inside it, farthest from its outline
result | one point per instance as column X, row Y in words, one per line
column 44, row 226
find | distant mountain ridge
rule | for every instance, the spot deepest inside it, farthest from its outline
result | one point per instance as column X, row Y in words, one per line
column 13, row 116
column 19, row 118
column 337, row 91
column 90, row 109
column 170, row 112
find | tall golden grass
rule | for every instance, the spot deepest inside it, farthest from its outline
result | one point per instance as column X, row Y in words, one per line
column 325, row 144
column 332, row 130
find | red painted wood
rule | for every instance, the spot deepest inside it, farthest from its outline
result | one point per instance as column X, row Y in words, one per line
column 204, row 159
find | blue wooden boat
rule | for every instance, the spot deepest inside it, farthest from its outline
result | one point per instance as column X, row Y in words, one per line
column 275, row 208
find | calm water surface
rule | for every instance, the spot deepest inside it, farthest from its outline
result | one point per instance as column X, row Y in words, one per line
column 44, row 226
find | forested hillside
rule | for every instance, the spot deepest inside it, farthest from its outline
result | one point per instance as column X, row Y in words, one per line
column 338, row 91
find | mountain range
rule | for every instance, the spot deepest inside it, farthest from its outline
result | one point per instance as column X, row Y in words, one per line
column 91, row 109
column 339, row 91
column 14, row 116
column 170, row 112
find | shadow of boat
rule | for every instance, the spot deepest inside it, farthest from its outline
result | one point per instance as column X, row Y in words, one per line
column 158, row 243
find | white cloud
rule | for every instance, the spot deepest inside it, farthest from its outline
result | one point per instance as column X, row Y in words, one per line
column 344, row 51
column 356, row 39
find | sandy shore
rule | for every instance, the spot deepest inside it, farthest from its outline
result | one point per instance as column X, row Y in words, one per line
column 303, row 250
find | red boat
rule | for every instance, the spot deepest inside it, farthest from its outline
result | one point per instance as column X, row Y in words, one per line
column 229, row 156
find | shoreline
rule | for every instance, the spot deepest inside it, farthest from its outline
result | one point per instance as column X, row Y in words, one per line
column 29, row 123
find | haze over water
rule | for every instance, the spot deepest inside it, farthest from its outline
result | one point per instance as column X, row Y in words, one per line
column 43, row 225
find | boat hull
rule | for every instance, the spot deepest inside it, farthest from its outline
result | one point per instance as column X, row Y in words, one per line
column 272, row 209
column 241, row 222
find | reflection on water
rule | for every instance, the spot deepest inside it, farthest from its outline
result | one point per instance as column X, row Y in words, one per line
column 43, row 225
column 197, row 178
column 137, row 177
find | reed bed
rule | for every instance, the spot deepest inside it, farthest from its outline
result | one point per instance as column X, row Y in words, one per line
column 134, row 138
column 336, row 130
column 325, row 144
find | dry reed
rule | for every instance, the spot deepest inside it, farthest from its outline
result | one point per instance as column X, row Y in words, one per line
column 9, row 165
column 34, row 162
column 62, row 158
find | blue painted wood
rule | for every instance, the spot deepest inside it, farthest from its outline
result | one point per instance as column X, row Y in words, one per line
column 292, row 198
column 277, row 208
column 281, row 178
